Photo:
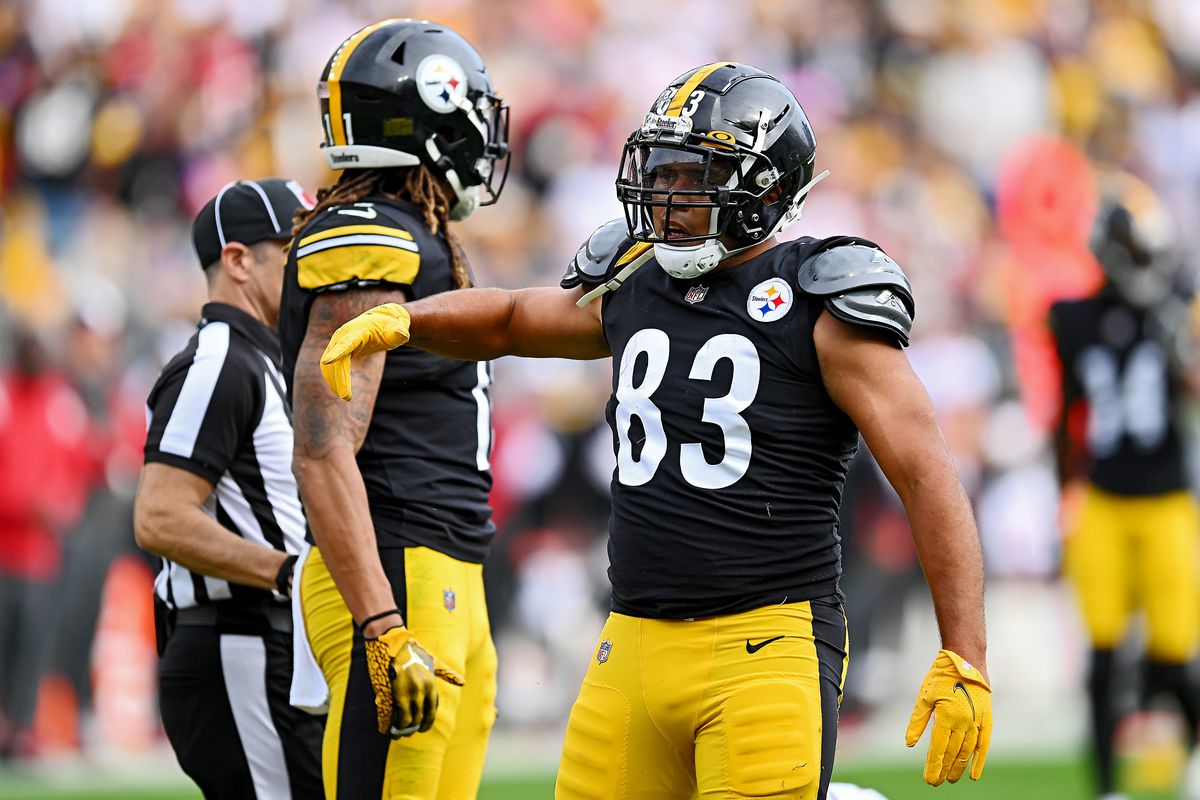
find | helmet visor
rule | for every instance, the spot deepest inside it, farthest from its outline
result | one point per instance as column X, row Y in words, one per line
column 682, row 171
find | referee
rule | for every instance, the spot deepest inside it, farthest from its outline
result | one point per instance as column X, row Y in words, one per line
column 217, row 501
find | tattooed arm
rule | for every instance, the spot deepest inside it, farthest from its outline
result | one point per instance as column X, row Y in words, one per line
column 329, row 433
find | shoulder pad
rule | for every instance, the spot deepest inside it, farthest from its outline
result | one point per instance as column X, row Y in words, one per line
column 861, row 286
column 609, row 246
column 354, row 244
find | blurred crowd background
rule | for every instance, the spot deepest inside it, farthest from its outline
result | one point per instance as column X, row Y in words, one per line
column 119, row 118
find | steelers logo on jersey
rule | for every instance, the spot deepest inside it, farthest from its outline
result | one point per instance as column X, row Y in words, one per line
column 769, row 301
column 442, row 83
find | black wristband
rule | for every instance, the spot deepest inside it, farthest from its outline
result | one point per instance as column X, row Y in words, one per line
column 380, row 615
column 283, row 578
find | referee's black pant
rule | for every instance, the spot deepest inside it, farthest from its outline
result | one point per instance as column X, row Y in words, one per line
column 223, row 696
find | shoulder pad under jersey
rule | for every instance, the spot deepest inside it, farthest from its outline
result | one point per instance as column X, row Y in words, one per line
column 861, row 286
column 608, row 247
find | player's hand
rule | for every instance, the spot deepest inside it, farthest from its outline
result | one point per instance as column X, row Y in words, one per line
column 381, row 328
column 403, row 676
column 960, row 700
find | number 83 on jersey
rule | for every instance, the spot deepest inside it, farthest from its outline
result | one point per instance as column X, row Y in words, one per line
column 724, row 412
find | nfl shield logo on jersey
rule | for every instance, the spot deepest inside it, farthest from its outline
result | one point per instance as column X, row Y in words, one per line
column 602, row 653
column 448, row 599
column 695, row 294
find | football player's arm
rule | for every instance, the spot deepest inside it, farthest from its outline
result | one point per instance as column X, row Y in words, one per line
column 1062, row 444
column 869, row 378
column 470, row 324
column 1065, row 460
column 480, row 324
column 1187, row 347
column 169, row 521
column 328, row 435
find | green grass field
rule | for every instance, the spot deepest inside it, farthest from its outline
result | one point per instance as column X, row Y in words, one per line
column 1009, row 780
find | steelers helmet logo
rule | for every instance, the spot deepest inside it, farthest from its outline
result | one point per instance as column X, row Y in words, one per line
column 442, row 83
column 770, row 301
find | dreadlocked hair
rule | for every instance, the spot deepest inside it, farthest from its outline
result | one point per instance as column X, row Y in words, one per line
column 416, row 185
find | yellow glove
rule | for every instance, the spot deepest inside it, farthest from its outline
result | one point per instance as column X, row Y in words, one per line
column 961, row 702
column 382, row 328
column 402, row 675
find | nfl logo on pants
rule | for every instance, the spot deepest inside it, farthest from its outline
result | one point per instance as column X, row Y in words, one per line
column 602, row 653
column 448, row 599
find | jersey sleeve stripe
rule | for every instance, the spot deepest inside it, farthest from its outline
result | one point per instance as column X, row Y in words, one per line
column 191, row 407
column 344, row 230
column 364, row 262
column 356, row 239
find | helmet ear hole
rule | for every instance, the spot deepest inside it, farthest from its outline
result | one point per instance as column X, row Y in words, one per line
column 398, row 53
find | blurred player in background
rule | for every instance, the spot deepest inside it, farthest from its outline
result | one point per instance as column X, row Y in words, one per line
column 744, row 370
column 1131, row 522
column 395, row 483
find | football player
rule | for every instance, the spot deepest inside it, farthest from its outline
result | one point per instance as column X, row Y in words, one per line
column 744, row 371
column 1135, row 539
column 396, row 482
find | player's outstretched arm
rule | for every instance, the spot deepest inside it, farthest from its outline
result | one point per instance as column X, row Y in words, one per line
column 870, row 379
column 470, row 324
column 479, row 324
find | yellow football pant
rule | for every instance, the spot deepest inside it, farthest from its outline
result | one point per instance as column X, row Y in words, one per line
column 743, row 705
column 1127, row 553
column 443, row 604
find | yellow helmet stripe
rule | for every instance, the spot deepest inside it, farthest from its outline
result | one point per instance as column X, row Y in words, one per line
column 340, row 58
column 685, row 91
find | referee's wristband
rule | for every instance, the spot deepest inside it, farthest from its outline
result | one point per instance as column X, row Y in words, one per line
column 283, row 578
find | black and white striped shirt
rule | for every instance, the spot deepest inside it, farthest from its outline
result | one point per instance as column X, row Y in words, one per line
column 218, row 411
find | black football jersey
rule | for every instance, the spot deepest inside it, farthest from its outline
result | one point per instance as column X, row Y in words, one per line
column 1112, row 362
column 731, row 456
column 425, row 456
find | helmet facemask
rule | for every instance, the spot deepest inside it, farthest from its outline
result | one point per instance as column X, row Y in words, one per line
column 668, row 171
column 466, row 154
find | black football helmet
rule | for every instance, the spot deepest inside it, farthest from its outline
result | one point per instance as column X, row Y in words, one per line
column 1134, row 240
column 740, row 133
column 404, row 92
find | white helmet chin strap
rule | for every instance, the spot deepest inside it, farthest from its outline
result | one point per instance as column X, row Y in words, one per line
column 691, row 261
